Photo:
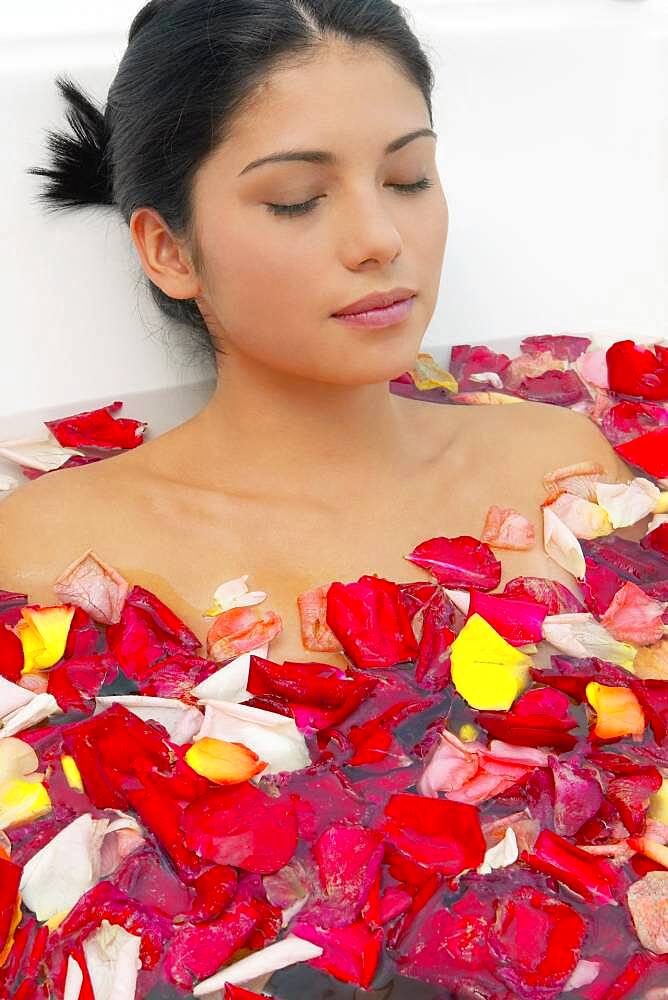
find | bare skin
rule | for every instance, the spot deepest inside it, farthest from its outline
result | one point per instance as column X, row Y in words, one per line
column 302, row 468
column 141, row 513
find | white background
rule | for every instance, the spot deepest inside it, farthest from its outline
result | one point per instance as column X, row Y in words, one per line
column 553, row 153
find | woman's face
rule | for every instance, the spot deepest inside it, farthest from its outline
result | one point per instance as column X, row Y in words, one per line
column 272, row 281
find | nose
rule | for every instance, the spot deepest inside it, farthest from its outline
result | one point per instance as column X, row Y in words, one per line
column 371, row 234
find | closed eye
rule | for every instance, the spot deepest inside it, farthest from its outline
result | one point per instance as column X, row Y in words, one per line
column 307, row 206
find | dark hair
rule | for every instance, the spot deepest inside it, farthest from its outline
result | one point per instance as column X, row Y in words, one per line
column 189, row 67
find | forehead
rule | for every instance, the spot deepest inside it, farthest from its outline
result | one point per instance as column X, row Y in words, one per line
column 351, row 100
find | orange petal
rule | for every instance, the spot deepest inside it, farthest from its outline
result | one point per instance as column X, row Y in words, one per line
column 240, row 630
column 43, row 633
column 618, row 711
column 223, row 762
column 316, row 633
column 506, row 528
column 554, row 481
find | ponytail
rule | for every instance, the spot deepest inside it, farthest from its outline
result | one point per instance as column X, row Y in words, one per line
column 81, row 173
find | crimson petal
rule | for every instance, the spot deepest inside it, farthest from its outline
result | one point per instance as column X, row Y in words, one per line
column 463, row 561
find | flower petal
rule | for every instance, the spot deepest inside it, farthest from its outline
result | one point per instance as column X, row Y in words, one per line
column 486, row 670
column 93, row 585
column 223, row 762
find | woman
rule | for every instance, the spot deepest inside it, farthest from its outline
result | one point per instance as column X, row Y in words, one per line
column 302, row 468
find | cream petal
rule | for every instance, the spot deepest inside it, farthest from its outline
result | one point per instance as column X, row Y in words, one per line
column 290, row 950
column 44, row 454
column 112, row 958
column 501, row 855
column 628, row 503
column 579, row 634
column 182, row 722
column 40, row 707
column 274, row 738
column 561, row 544
column 229, row 683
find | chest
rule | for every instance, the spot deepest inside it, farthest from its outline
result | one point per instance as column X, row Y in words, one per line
column 183, row 551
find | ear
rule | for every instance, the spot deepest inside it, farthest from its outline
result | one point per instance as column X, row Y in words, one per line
column 165, row 259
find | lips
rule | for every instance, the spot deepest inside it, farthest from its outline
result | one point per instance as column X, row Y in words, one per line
column 377, row 300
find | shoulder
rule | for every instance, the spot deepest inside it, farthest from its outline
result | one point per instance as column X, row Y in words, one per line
column 46, row 524
column 555, row 436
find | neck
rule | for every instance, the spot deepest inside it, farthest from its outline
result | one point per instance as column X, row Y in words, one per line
column 266, row 433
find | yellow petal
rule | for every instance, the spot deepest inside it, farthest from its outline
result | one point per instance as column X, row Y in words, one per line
column 662, row 503
column 468, row 733
column 428, row 374
column 214, row 610
column 486, row 670
column 223, row 762
column 72, row 772
column 43, row 633
column 22, row 802
column 56, row 920
column 658, row 803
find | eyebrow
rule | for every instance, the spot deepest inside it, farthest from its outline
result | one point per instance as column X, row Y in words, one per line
column 320, row 156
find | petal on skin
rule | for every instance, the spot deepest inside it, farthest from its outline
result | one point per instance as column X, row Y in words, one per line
column 486, row 670
column 634, row 617
column 22, row 801
column 501, row 855
column 316, row 633
column 274, row 738
column 584, row 518
column 37, row 453
column 290, row 950
column 628, row 503
column 561, row 544
column 98, row 428
column 582, row 636
column 112, row 957
column 240, row 630
column 91, row 584
column 618, row 711
column 556, row 480
column 506, row 528
column 234, row 594
column 491, row 377
column 182, row 722
column 43, row 633
column 428, row 374
column 223, row 762
column 647, row 903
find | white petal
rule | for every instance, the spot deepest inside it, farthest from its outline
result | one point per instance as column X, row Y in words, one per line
column 55, row 878
column 460, row 598
column 182, row 722
column 112, row 957
column 628, row 503
column 44, row 454
column 12, row 696
column 40, row 707
column 492, row 377
column 17, row 759
column 579, row 634
column 502, row 854
column 279, row 955
column 656, row 521
column 229, row 683
column 74, row 980
column 561, row 544
column 8, row 483
column 584, row 973
column 275, row 738
column 235, row 594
